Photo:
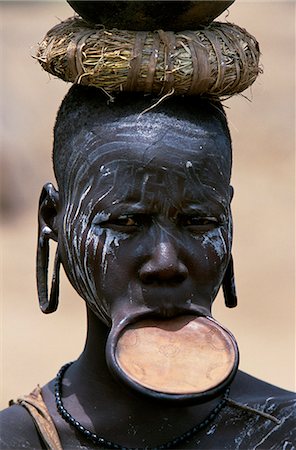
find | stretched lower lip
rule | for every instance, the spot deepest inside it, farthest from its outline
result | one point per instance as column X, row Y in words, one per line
column 190, row 358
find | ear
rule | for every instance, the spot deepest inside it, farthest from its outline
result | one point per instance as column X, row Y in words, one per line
column 47, row 212
column 231, row 193
column 228, row 285
column 47, row 229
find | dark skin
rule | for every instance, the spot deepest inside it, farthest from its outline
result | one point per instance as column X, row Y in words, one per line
column 147, row 198
column 151, row 233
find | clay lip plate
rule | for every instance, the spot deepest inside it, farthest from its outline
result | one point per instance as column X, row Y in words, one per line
column 185, row 355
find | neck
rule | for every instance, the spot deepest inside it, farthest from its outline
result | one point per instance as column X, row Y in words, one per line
column 92, row 360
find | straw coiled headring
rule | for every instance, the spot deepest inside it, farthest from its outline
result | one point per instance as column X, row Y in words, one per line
column 219, row 60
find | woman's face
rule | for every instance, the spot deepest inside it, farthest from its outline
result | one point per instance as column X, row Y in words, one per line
column 145, row 225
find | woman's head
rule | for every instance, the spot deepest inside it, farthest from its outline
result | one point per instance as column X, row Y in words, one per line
column 143, row 219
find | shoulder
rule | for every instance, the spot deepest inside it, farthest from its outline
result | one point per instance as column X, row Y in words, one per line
column 257, row 416
column 266, row 413
column 265, row 397
column 248, row 389
column 18, row 429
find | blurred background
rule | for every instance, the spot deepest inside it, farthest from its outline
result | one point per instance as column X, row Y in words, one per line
column 34, row 346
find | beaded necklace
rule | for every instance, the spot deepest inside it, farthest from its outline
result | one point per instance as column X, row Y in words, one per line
column 104, row 443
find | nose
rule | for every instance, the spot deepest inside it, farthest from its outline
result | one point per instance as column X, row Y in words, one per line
column 164, row 266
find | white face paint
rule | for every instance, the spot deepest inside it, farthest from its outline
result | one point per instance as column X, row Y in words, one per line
column 112, row 240
column 86, row 239
column 215, row 239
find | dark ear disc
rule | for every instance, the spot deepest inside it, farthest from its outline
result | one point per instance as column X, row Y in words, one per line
column 47, row 305
column 150, row 15
column 48, row 199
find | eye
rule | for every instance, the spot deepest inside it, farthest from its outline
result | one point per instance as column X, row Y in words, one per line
column 126, row 222
column 199, row 223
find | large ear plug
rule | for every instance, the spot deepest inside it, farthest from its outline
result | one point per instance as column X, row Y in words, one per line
column 228, row 285
column 47, row 211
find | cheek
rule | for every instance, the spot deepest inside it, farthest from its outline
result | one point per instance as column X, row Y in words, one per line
column 81, row 248
column 212, row 254
column 91, row 255
column 107, row 250
column 215, row 244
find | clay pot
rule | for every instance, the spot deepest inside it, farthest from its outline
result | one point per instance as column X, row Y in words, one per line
column 150, row 15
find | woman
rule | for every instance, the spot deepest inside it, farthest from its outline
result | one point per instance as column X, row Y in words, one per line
column 143, row 225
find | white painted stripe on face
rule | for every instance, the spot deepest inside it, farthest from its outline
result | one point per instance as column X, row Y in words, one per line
column 84, row 194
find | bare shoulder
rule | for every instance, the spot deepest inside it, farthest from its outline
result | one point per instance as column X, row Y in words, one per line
column 17, row 429
column 249, row 389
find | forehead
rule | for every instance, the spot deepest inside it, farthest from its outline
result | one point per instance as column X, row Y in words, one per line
column 160, row 140
column 141, row 161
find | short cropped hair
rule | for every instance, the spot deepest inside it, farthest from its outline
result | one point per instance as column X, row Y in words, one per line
column 84, row 107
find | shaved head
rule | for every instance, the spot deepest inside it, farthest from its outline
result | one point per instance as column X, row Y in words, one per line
column 85, row 112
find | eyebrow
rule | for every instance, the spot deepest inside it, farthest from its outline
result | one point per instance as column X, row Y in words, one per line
column 184, row 207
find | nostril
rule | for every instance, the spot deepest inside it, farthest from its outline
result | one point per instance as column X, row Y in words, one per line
column 164, row 266
column 150, row 274
column 179, row 278
column 146, row 278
